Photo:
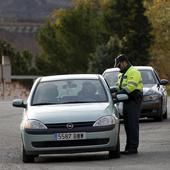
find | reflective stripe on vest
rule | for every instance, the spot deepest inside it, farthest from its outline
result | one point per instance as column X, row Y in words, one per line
column 131, row 81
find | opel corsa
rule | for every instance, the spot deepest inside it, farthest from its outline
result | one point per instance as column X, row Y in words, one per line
column 69, row 114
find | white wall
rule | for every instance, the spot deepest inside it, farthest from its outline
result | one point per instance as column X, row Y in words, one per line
column 13, row 90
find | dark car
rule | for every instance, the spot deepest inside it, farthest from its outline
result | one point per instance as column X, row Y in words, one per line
column 154, row 103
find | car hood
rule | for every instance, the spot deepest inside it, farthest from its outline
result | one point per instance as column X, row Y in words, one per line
column 68, row 112
column 148, row 87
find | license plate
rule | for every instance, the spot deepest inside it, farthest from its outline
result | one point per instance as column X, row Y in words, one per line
column 70, row 136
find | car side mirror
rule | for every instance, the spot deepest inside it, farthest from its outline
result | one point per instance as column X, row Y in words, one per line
column 19, row 103
column 120, row 98
column 163, row 82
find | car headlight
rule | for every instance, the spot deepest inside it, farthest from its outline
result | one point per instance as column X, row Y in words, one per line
column 151, row 95
column 105, row 121
column 33, row 124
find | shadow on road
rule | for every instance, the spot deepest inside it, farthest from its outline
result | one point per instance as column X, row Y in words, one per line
column 148, row 120
column 72, row 157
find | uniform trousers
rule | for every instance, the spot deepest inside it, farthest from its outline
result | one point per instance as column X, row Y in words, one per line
column 131, row 113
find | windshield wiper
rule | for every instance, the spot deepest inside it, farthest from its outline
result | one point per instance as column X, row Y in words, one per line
column 70, row 102
column 45, row 103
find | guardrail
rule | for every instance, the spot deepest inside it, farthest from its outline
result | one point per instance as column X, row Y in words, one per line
column 24, row 77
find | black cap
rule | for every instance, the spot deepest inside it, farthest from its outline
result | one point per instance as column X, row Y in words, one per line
column 120, row 58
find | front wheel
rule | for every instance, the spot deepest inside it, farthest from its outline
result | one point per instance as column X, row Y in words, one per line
column 116, row 153
column 165, row 115
column 27, row 158
column 160, row 117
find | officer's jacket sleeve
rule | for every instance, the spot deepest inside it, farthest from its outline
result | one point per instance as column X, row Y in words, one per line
column 133, row 81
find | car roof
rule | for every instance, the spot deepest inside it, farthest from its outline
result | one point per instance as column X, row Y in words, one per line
column 69, row 76
column 138, row 67
column 144, row 67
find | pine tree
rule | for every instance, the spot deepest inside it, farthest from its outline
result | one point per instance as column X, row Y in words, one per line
column 126, row 18
column 103, row 57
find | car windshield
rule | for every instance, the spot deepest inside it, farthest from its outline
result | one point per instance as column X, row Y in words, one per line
column 69, row 91
column 111, row 78
column 148, row 77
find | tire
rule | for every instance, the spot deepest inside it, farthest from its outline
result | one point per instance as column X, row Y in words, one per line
column 27, row 158
column 159, row 118
column 165, row 115
column 115, row 154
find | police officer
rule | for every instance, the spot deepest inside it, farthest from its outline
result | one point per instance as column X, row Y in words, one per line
column 130, row 83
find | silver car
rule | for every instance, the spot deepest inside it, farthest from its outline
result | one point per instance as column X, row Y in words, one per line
column 154, row 103
column 69, row 114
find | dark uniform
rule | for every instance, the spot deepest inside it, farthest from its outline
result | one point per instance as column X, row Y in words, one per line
column 130, row 83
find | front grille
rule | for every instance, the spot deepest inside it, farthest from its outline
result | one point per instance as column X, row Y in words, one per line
column 65, row 130
column 148, row 111
column 75, row 124
column 70, row 143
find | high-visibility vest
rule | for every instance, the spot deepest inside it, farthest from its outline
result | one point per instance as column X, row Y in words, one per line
column 130, row 81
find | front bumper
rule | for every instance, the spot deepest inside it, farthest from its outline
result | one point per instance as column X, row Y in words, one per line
column 150, row 108
column 44, row 142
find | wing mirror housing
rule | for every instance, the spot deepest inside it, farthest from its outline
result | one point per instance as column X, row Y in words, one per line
column 164, row 82
column 19, row 103
column 120, row 98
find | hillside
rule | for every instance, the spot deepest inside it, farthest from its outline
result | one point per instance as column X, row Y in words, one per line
column 20, row 10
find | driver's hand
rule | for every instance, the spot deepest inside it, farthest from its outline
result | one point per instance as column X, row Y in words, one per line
column 114, row 95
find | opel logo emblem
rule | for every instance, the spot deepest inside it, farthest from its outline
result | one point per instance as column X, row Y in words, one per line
column 69, row 126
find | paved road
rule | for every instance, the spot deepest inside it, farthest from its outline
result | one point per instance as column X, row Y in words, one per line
column 154, row 150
